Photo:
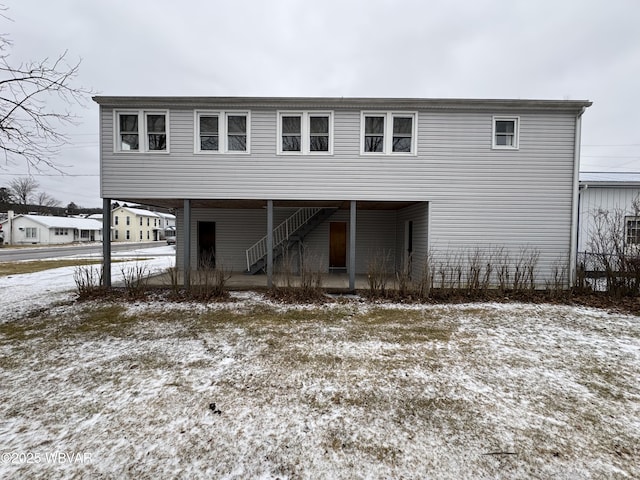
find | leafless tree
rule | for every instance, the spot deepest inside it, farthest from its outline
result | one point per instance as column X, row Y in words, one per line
column 23, row 189
column 35, row 101
column 45, row 200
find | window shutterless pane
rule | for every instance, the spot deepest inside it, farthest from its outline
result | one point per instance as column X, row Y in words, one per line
column 402, row 144
column 373, row 143
column 155, row 123
column 157, row 141
column 291, row 143
column 237, row 124
column 505, row 126
column 208, row 142
column 402, row 125
column 374, row 125
column 319, row 125
column 237, row 143
column 129, row 141
column 291, row 125
column 128, row 123
column 319, row 143
column 208, row 124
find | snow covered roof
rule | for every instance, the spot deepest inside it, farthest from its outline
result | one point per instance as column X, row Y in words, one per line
column 610, row 178
column 170, row 216
column 140, row 211
column 63, row 222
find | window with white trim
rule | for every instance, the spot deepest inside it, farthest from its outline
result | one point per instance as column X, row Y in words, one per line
column 388, row 133
column 60, row 231
column 141, row 131
column 31, row 232
column 506, row 132
column 115, row 234
column 222, row 132
column 305, row 133
column 633, row 230
column 128, row 235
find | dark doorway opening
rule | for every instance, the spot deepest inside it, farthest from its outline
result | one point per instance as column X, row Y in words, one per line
column 206, row 244
column 338, row 245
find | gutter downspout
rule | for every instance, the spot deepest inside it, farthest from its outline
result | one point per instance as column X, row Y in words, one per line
column 573, row 243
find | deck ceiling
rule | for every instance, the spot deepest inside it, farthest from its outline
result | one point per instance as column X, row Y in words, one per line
column 176, row 203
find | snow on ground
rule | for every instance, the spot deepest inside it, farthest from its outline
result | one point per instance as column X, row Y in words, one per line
column 341, row 391
column 20, row 294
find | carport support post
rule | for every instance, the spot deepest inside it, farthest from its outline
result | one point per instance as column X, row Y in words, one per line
column 352, row 246
column 269, row 243
column 106, row 242
column 186, row 244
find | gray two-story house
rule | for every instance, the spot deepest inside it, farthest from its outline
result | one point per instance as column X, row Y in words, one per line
column 350, row 178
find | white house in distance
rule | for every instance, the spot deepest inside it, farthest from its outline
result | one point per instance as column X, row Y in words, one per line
column 609, row 192
column 348, row 177
column 40, row 229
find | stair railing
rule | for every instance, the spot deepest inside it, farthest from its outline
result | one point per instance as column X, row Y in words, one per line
column 281, row 234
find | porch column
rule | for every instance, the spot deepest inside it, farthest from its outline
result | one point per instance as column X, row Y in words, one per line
column 106, row 242
column 269, row 243
column 186, row 242
column 352, row 246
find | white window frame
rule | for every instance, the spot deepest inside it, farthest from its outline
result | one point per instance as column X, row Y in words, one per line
column 305, row 131
column 143, row 138
column 516, row 132
column 628, row 237
column 387, row 142
column 223, row 147
column 31, row 232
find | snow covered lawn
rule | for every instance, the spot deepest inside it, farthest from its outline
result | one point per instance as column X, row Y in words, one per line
column 347, row 390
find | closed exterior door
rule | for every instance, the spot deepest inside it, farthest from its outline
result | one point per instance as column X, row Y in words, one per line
column 337, row 245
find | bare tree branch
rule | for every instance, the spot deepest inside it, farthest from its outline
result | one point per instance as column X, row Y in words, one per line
column 35, row 101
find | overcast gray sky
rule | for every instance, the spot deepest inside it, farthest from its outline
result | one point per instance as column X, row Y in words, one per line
column 543, row 49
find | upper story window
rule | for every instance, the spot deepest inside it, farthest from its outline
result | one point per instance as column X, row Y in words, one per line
column 633, row 230
column 116, row 220
column 389, row 133
column 148, row 126
column 505, row 132
column 222, row 132
column 305, row 133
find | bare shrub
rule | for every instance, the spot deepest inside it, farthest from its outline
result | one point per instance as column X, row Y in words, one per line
column 310, row 272
column 425, row 283
column 555, row 285
column 614, row 253
column 378, row 272
column 403, row 277
column 209, row 280
column 524, row 270
column 88, row 280
column 136, row 279
column 173, row 276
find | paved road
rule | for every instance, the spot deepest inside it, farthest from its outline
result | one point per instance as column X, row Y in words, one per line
column 8, row 254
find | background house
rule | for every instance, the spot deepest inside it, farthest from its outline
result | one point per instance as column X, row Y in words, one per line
column 135, row 225
column 350, row 179
column 38, row 229
column 611, row 193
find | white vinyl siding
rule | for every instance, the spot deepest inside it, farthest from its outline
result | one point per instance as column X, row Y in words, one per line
column 478, row 195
